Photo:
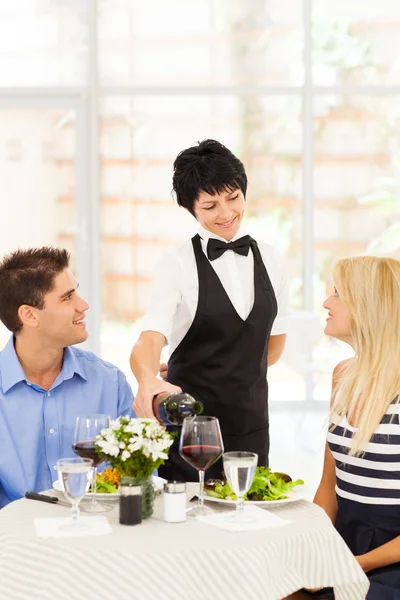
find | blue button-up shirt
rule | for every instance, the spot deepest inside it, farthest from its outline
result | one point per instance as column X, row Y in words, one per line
column 37, row 425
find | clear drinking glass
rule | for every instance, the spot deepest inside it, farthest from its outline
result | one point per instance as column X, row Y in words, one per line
column 88, row 427
column 74, row 477
column 240, row 468
column 201, row 446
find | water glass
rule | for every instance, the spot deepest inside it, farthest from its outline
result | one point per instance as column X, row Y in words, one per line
column 74, row 476
column 240, row 468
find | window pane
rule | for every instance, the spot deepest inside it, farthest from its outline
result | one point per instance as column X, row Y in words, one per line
column 37, row 171
column 192, row 43
column 43, row 42
column 356, row 41
column 140, row 137
column 357, row 189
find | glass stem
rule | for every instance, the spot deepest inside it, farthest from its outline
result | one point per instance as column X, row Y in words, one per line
column 94, row 477
column 201, row 489
column 240, row 505
column 75, row 512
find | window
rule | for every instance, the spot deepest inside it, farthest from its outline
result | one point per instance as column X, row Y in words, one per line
column 305, row 92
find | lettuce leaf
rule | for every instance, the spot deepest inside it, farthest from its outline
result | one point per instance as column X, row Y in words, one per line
column 266, row 486
column 105, row 487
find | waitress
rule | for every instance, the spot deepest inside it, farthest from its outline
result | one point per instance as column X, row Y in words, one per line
column 220, row 302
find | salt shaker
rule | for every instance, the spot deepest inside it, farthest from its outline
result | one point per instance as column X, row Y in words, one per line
column 130, row 502
column 174, row 501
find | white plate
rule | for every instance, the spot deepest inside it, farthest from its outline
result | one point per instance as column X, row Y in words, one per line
column 264, row 503
column 158, row 483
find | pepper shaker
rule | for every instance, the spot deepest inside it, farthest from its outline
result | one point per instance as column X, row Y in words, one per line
column 130, row 502
column 175, row 501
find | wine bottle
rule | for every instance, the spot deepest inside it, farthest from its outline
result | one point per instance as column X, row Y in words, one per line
column 171, row 408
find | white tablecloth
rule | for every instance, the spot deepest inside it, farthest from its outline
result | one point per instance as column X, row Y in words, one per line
column 188, row 561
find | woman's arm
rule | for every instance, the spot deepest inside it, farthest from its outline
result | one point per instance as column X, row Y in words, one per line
column 326, row 495
column 145, row 360
column 385, row 555
column 165, row 298
column 276, row 345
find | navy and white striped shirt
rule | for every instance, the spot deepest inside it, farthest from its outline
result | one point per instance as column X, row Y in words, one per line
column 374, row 476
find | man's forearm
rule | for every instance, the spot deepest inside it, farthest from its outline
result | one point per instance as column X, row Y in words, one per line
column 387, row 554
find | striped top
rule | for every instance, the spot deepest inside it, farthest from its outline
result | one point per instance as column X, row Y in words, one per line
column 373, row 477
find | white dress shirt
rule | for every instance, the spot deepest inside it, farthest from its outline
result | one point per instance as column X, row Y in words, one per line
column 174, row 295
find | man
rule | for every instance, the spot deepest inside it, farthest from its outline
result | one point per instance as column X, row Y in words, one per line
column 45, row 382
column 220, row 302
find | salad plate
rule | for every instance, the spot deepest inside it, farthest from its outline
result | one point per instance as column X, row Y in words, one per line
column 268, row 488
column 158, row 483
column 293, row 497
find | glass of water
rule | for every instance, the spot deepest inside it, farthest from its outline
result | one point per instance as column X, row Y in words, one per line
column 74, row 476
column 240, row 468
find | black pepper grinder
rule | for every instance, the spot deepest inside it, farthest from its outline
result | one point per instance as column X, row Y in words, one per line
column 130, row 502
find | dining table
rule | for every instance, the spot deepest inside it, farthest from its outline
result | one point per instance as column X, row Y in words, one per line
column 191, row 560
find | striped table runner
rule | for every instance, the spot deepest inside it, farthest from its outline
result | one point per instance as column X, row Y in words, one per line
column 188, row 561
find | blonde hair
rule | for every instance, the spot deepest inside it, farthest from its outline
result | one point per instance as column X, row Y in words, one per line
column 369, row 382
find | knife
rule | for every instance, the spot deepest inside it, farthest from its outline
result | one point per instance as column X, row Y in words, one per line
column 44, row 498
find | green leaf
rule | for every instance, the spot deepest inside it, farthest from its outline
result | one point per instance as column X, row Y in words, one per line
column 265, row 486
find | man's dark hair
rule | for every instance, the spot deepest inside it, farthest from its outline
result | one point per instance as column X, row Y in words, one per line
column 206, row 167
column 26, row 276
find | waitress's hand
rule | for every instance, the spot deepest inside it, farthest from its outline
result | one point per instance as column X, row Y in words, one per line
column 150, row 386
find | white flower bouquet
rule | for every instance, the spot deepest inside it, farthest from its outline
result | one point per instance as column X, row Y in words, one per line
column 134, row 447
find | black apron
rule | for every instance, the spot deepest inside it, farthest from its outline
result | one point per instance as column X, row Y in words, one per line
column 365, row 527
column 222, row 361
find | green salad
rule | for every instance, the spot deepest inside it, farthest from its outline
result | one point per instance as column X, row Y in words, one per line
column 107, row 482
column 266, row 486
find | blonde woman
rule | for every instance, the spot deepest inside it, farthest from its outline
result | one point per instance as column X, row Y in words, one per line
column 360, row 485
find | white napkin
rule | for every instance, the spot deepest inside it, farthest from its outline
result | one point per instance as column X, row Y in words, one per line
column 258, row 518
column 49, row 527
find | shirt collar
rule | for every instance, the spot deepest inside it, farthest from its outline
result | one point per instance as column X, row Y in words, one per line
column 71, row 365
column 12, row 371
column 206, row 235
column 10, row 367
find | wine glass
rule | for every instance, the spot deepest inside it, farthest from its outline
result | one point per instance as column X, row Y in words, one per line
column 240, row 468
column 88, row 427
column 201, row 446
column 74, row 477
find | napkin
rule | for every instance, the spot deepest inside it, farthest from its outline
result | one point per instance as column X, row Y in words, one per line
column 49, row 527
column 255, row 518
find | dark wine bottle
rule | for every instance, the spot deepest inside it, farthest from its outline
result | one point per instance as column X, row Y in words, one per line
column 171, row 408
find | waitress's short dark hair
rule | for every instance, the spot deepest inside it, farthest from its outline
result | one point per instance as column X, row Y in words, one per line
column 209, row 167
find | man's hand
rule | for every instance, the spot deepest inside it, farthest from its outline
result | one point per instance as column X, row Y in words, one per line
column 150, row 386
column 163, row 371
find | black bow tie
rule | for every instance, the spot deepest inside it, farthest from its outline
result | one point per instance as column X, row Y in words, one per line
column 216, row 248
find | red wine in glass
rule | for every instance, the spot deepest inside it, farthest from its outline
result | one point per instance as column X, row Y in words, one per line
column 201, row 457
column 87, row 450
column 201, row 446
column 88, row 427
